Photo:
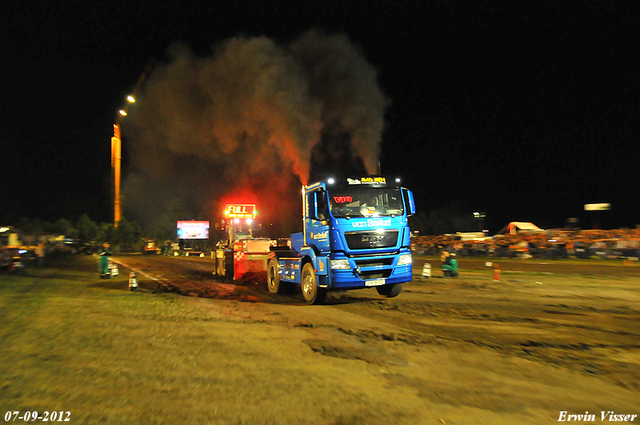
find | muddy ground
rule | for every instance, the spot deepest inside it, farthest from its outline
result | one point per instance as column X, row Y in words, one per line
column 548, row 337
column 579, row 316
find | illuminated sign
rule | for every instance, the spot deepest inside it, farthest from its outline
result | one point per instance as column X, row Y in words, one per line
column 193, row 230
column 342, row 199
column 240, row 211
column 368, row 180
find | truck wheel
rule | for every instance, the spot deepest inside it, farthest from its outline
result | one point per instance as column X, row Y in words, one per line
column 273, row 277
column 312, row 294
column 390, row 291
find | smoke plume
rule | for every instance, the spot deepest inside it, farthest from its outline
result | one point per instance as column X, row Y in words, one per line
column 255, row 117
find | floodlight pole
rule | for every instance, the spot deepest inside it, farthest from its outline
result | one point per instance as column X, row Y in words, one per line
column 116, row 158
column 116, row 146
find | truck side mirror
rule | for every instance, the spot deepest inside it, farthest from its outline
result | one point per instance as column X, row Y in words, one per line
column 410, row 202
column 322, row 207
column 311, row 205
column 317, row 206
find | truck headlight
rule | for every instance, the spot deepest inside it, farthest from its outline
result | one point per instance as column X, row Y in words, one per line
column 340, row 264
column 404, row 259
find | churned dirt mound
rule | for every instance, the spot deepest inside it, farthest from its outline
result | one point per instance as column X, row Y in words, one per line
column 189, row 277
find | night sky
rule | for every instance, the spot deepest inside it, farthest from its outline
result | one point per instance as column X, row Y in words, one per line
column 523, row 110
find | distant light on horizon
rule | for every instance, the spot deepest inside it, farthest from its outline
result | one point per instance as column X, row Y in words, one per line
column 122, row 112
column 131, row 99
column 597, row 207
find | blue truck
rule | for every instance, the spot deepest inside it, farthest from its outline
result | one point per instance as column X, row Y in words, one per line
column 355, row 235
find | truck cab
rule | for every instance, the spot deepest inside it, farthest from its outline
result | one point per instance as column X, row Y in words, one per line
column 355, row 235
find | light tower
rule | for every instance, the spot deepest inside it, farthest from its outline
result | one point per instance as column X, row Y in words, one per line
column 116, row 159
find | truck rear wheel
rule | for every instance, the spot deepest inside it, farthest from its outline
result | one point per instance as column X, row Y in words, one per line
column 273, row 277
column 312, row 294
column 390, row 291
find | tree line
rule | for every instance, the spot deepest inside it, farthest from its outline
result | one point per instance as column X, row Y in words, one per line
column 129, row 236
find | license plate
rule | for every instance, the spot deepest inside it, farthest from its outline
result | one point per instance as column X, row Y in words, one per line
column 374, row 282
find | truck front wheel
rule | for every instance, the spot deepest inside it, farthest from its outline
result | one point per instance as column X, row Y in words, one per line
column 312, row 294
column 390, row 291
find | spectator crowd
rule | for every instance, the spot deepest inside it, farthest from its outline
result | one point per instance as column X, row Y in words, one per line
column 556, row 243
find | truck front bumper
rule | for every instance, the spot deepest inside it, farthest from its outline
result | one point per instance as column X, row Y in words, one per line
column 365, row 272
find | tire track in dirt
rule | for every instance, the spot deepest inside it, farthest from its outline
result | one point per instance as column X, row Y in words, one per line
column 584, row 332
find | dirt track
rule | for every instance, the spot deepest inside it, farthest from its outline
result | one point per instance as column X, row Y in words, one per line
column 549, row 335
column 547, row 338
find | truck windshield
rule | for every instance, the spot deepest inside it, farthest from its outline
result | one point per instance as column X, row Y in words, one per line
column 366, row 202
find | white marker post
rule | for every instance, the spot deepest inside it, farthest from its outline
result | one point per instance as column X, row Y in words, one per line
column 426, row 270
column 133, row 282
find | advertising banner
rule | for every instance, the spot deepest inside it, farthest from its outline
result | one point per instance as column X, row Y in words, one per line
column 193, row 230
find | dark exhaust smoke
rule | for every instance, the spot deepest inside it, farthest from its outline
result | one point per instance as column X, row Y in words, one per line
column 255, row 116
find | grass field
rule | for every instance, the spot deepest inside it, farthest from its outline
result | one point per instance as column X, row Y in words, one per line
column 112, row 356
column 68, row 343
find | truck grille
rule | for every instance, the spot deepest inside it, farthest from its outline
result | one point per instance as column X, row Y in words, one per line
column 373, row 239
column 374, row 268
column 375, row 262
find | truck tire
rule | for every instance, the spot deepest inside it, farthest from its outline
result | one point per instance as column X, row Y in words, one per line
column 390, row 291
column 312, row 294
column 273, row 278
